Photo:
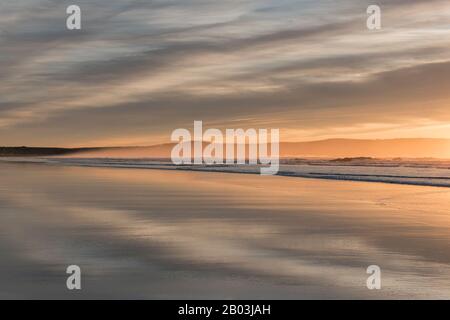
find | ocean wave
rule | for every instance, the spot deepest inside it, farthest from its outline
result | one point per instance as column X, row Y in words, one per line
column 425, row 174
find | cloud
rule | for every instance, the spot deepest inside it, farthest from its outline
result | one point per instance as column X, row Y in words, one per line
column 298, row 65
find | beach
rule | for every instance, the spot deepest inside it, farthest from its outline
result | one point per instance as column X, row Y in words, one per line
column 173, row 234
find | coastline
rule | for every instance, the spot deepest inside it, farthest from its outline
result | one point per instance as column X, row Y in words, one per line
column 293, row 171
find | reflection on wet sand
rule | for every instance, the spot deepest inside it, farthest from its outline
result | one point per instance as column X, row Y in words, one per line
column 165, row 234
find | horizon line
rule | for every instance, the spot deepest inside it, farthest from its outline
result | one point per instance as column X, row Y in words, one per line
column 168, row 143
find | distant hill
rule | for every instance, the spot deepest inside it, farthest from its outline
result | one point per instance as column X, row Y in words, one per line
column 335, row 148
column 39, row 152
column 383, row 148
column 151, row 151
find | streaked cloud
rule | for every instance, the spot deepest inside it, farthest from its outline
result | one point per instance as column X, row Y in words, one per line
column 139, row 69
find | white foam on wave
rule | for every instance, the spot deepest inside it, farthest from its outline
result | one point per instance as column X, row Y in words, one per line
column 412, row 172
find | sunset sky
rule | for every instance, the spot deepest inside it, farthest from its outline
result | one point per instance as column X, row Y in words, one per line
column 140, row 69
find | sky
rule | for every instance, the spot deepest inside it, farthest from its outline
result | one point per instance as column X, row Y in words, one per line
column 139, row 69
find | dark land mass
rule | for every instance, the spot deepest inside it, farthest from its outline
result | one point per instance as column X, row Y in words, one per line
column 40, row 152
column 344, row 150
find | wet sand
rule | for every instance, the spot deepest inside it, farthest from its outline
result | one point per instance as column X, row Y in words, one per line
column 155, row 234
